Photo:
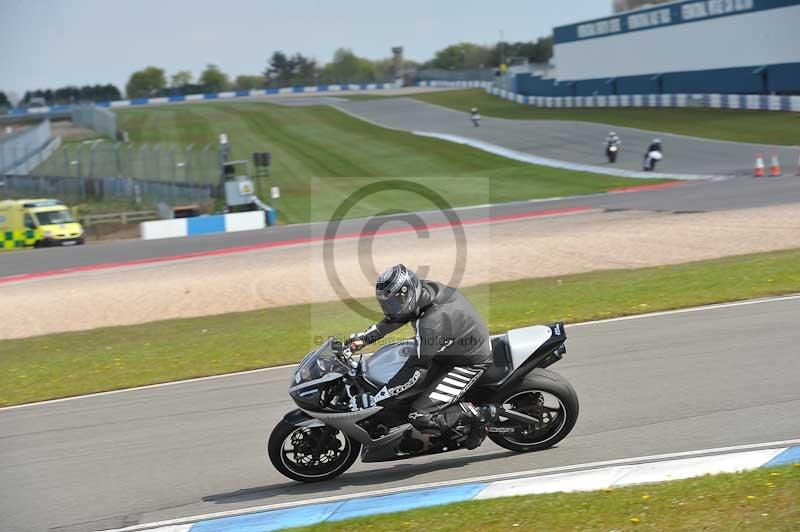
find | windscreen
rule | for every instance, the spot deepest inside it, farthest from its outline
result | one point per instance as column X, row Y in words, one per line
column 61, row 216
column 318, row 363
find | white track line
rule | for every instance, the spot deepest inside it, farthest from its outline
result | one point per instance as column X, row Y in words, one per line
column 486, row 478
column 715, row 306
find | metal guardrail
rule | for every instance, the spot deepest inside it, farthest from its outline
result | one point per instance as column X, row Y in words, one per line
column 118, row 217
column 98, row 119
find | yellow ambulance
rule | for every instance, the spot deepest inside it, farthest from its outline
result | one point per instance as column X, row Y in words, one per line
column 38, row 223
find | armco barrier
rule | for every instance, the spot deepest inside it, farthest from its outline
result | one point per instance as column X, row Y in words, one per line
column 46, row 110
column 752, row 102
column 204, row 225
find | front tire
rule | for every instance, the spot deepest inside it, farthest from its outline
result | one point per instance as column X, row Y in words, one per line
column 311, row 454
column 542, row 394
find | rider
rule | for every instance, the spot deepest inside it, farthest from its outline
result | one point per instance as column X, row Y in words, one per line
column 475, row 115
column 453, row 349
column 654, row 146
column 612, row 140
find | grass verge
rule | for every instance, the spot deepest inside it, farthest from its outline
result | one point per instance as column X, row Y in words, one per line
column 762, row 499
column 762, row 127
column 75, row 363
column 320, row 155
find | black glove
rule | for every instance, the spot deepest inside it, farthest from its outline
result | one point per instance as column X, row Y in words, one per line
column 344, row 352
column 356, row 342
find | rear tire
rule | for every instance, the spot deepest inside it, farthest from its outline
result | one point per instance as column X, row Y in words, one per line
column 340, row 452
column 561, row 418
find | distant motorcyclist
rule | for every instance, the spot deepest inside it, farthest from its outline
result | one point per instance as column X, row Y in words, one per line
column 475, row 116
column 654, row 153
column 453, row 349
column 613, row 145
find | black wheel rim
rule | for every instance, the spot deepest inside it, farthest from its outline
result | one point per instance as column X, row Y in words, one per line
column 546, row 408
column 314, row 451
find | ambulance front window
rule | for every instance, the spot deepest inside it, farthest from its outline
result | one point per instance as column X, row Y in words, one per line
column 54, row 217
column 29, row 223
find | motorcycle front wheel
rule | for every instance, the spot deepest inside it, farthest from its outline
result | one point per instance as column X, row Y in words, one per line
column 544, row 395
column 311, row 454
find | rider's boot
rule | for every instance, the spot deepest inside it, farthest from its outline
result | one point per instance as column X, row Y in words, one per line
column 482, row 418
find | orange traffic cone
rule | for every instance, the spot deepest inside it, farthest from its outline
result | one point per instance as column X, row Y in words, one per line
column 758, row 171
column 774, row 166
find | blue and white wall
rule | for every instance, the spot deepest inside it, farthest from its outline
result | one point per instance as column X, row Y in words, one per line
column 206, row 225
column 690, row 46
column 62, row 109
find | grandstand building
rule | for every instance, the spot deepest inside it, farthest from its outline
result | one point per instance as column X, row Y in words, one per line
column 687, row 46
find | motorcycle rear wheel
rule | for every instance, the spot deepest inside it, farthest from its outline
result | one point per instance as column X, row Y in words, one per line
column 311, row 454
column 542, row 394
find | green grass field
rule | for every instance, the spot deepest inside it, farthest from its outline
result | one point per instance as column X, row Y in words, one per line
column 758, row 500
column 65, row 364
column 763, row 127
column 319, row 155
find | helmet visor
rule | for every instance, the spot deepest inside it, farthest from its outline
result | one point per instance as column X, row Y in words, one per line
column 397, row 304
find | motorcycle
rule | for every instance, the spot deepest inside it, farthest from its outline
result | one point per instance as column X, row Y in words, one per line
column 651, row 159
column 345, row 409
column 476, row 119
column 611, row 152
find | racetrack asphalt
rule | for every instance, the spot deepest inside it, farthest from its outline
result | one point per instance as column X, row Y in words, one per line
column 693, row 196
column 576, row 142
column 579, row 142
column 714, row 377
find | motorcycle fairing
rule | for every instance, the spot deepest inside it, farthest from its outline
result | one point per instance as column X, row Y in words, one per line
column 519, row 351
column 300, row 418
column 347, row 422
column 387, row 361
column 522, row 343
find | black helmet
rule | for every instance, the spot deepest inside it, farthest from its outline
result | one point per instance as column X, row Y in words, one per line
column 398, row 291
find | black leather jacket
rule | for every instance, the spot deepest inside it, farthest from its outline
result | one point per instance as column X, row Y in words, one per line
column 449, row 332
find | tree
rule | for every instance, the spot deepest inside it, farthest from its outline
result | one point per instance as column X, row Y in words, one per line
column 146, row 82
column 305, row 72
column 284, row 71
column 347, row 67
column 462, row 56
column 245, row 82
column 624, row 5
column 213, row 79
column 540, row 51
column 180, row 78
column 4, row 100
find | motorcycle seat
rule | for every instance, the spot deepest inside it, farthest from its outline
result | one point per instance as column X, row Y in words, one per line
column 501, row 362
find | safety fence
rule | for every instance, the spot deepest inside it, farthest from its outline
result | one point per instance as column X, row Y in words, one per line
column 159, row 161
column 441, row 74
column 137, row 190
column 99, row 120
column 462, row 84
column 22, row 151
column 753, row 102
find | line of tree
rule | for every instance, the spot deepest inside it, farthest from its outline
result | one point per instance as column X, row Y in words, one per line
column 289, row 69
column 469, row 56
column 625, row 5
column 73, row 94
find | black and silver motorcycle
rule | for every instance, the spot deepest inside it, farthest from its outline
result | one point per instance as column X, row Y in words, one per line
column 612, row 150
column 345, row 406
